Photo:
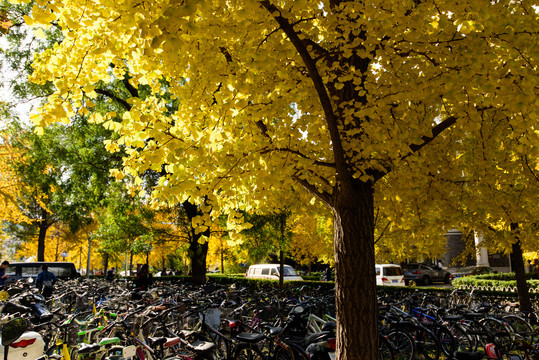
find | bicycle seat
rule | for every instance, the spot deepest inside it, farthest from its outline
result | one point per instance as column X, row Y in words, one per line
column 156, row 341
column 250, row 337
column 172, row 341
column 274, row 330
column 201, row 346
column 329, row 326
column 473, row 315
column 186, row 333
column 88, row 348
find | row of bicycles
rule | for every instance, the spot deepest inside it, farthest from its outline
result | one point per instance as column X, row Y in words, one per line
column 433, row 327
column 95, row 319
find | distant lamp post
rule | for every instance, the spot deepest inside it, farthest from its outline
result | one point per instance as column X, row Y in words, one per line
column 63, row 255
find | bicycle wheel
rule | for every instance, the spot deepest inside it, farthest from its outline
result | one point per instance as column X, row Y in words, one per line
column 465, row 342
column 294, row 352
column 283, row 354
column 248, row 352
column 426, row 344
column 385, row 348
column 498, row 331
column 521, row 327
column 446, row 339
column 403, row 345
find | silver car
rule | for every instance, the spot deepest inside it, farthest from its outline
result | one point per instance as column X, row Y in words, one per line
column 425, row 274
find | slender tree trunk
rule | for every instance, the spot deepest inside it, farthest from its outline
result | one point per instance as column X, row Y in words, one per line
column 355, row 282
column 281, row 269
column 105, row 263
column 222, row 260
column 520, row 274
column 57, row 248
column 43, row 227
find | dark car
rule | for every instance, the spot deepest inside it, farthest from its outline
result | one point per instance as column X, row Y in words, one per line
column 23, row 270
column 425, row 274
column 473, row 270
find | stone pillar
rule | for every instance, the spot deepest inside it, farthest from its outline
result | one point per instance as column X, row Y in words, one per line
column 481, row 252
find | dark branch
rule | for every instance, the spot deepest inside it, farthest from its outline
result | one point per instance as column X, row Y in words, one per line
column 114, row 97
column 129, row 87
column 323, row 196
column 437, row 130
column 317, row 82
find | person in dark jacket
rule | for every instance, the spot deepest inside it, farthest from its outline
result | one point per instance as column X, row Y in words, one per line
column 327, row 274
column 143, row 279
column 3, row 275
column 110, row 274
column 45, row 281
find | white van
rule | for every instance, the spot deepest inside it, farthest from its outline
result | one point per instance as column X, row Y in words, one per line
column 271, row 271
column 389, row 274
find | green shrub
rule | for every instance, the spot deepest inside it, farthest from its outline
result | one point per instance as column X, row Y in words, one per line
column 503, row 276
column 311, row 277
column 497, row 281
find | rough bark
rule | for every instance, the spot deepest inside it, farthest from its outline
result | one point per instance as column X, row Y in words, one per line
column 198, row 254
column 355, row 282
column 197, row 251
column 520, row 275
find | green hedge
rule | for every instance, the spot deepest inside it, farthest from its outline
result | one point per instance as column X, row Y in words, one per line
column 241, row 280
column 502, row 282
column 503, row 276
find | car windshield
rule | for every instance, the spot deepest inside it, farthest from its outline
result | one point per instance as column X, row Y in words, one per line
column 410, row 266
column 289, row 271
column 393, row 271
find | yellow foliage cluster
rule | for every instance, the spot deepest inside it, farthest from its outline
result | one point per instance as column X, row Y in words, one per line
column 10, row 185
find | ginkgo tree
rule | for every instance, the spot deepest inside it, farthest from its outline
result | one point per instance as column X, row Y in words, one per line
column 11, row 185
column 251, row 97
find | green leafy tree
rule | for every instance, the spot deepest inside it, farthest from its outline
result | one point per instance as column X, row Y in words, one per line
column 66, row 173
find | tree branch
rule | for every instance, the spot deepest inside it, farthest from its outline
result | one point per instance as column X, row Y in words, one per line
column 436, row 130
column 323, row 196
column 114, row 97
column 318, row 83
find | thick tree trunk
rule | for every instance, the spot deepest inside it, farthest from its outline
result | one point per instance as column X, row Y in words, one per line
column 198, row 254
column 197, row 251
column 520, row 276
column 355, row 283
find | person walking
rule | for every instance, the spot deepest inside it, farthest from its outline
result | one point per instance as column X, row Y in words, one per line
column 144, row 279
column 110, row 274
column 45, row 281
column 327, row 274
column 3, row 275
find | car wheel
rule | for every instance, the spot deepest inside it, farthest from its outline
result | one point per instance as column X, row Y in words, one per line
column 426, row 280
column 447, row 279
